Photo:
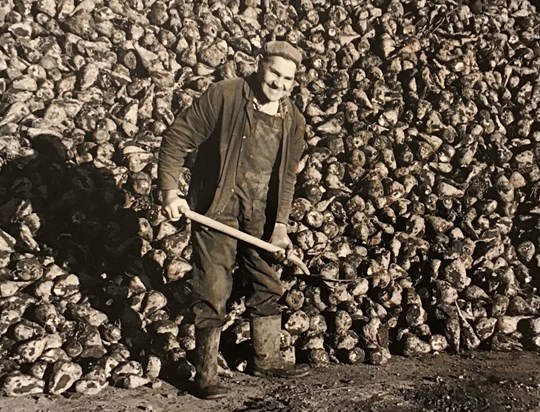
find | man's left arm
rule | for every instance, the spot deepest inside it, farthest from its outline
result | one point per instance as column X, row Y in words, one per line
column 297, row 146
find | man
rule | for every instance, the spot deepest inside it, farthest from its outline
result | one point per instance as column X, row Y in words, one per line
column 249, row 138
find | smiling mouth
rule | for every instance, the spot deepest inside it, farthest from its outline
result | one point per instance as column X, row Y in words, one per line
column 274, row 88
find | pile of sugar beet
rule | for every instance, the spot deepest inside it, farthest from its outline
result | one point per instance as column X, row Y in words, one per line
column 417, row 204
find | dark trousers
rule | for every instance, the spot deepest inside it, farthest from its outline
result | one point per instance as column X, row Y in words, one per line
column 214, row 257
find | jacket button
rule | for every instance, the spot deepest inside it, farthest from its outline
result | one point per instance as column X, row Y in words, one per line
column 243, row 137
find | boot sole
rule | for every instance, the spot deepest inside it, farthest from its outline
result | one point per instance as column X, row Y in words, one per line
column 217, row 393
column 269, row 374
column 214, row 397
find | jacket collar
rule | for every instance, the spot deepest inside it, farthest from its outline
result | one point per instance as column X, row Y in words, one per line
column 286, row 103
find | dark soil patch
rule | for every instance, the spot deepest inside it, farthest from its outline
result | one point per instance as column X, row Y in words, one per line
column 475, row 382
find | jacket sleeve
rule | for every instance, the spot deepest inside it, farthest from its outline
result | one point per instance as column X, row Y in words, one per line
column 297, row 147
column 191, row 128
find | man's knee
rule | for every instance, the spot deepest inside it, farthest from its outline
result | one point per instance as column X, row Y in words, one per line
column 209, row 314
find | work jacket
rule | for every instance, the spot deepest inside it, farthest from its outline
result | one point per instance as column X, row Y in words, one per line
column 215, row 125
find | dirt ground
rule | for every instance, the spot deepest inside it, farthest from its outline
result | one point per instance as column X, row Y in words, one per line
column 474, row 382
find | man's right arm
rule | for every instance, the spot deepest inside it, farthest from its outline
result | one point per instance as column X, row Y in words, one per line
column 191, row 128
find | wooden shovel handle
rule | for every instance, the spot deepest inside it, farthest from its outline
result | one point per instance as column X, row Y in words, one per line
column 244, row 237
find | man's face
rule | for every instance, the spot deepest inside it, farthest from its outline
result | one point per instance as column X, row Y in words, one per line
column 276, row 77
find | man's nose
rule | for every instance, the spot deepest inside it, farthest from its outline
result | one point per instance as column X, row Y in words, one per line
column 279, row 83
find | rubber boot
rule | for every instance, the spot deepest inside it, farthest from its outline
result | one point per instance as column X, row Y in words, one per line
column 206, row 379
column 267, row 359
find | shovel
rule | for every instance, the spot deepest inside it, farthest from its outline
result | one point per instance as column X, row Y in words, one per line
column 244, row 237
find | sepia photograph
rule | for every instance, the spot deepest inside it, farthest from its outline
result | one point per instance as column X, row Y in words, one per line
column 269, row 205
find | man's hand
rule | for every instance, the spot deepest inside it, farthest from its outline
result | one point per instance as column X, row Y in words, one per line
column 173, row 205
column 281, row 239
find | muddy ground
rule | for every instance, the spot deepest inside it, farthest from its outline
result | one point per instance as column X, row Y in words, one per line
column 474, row 382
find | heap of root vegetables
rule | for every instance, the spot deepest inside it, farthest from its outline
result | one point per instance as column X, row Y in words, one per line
column 417, row 205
